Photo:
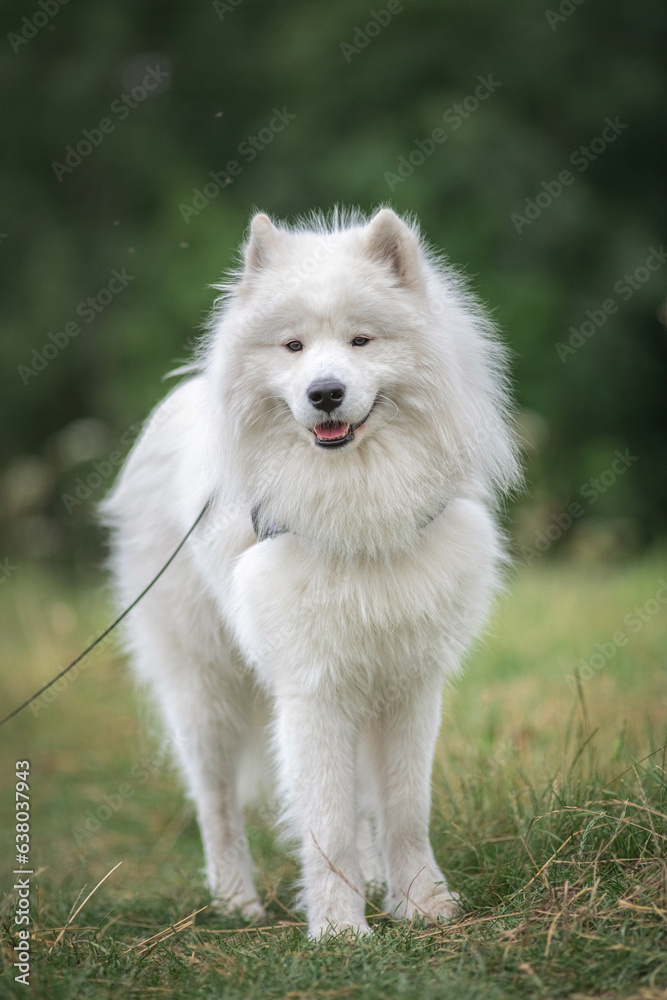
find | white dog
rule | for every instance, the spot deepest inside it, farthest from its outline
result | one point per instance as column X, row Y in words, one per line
column 348, row 417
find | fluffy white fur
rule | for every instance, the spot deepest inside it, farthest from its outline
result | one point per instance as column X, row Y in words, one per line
column 326, row 646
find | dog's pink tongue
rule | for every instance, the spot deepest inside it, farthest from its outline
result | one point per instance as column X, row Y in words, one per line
column 329, row 432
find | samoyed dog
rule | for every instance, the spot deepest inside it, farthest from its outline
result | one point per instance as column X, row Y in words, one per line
column 347, row 421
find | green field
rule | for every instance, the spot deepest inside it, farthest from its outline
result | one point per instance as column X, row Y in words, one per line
column 544, row 819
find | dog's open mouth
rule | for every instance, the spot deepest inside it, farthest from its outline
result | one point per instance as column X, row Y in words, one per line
column 334, row 435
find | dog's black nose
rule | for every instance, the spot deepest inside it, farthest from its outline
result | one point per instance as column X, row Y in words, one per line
column 326, row 394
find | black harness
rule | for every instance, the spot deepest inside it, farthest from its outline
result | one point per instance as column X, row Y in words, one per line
column 270, row 531
column 274, row 530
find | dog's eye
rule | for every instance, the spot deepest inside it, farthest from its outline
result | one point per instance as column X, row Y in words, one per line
column 294, row 345
column 360, row 341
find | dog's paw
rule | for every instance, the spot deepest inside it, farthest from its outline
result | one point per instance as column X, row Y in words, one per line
column 250, row 910
column 438, row 905
column 253, row 912
column 340, row 929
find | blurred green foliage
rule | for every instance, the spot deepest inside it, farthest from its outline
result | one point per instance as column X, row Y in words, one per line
column 363, row 88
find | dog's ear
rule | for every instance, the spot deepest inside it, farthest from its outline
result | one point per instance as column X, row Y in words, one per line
column 390, row 242
column 262, row 243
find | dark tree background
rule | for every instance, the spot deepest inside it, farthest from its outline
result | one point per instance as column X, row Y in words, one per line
column 319, row 104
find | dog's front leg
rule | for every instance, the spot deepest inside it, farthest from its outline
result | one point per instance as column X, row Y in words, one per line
column 404, row 743
column 317, row 744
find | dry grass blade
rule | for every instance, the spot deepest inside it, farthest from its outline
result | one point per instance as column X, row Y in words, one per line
column 625, row 904
column 281, row 925
column 81, row 906
column 633, row 766
column 408, row 899
column 618, row 819
column 166, row 932
column 545, row 865
column 342, row 875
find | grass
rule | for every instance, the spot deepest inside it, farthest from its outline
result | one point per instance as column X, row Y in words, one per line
column 543, row 820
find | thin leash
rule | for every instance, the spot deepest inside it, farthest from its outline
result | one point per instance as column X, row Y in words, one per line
column 114, row 623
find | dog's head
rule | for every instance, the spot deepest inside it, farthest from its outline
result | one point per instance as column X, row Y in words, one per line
column 328, row 315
